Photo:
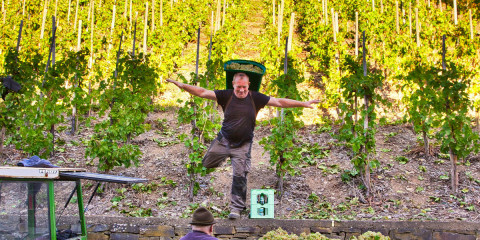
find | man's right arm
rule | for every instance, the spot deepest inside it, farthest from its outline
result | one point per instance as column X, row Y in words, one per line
column 194, row 90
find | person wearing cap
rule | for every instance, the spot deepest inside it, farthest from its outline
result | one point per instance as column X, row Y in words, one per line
column 240, row 107
column 202, row 226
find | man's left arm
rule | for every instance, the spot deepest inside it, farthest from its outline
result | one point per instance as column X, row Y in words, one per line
column 290, row 103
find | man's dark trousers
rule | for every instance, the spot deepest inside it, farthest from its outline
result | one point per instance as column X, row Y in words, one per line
column 218, row 152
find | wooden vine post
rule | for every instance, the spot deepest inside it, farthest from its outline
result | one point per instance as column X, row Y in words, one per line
column 373, row 5
column 161, row 13
column 455, row 19
column 290, row 31
column 323, row 11
column 280, row 22
column 333, row 26
column 130, row 26
column 440, row 5
column 153, row 15
column 471, row 24
column 365, row 122
column 145, row 29
column 113, row 22
column 444, row 66
column 54, row 41
column 74, row 119
column 76, row 15
column 52, row 52
column 336, row 22
column 115, row 75
column 19, row 37
column 410, row 19
column 224, row 9
column 68, row 14
column 211, row 37
column 217, row 16
column 23, row 9
column 51, row 48
column 134, row 38
column 356, row 33
column 197, row 59
column 112, row 27
column 326, row 11
column 118, row 57
column 44, row 16
column 355, row 97
column 273, row 12
column 56, row 4
column 90, row 10
column 125, row 10
column 397, row 25
column 417, row 28
column 89, row 13
column 381, row 6
column 92, row 27
column 4, row 12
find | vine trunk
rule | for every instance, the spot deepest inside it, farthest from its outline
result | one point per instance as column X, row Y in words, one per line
column 426, row 145
column 191, row 187
column 367, row 165
column 2, row 137
column 454, row 173
column 52, row 131
column 280, row 175
column 478, row 121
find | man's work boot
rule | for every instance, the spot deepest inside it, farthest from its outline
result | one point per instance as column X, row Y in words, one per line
column 234, row 214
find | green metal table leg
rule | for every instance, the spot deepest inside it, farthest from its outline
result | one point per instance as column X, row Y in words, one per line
column 31, row 210
column 81, row 210
column 51, row 211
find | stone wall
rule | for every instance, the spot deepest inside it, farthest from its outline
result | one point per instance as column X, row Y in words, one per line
column 120, row 228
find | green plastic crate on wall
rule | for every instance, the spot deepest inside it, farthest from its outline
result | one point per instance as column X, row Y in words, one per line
column 262, row 203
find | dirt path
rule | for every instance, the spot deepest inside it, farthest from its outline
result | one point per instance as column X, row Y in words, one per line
column 261, row 175
column 250, row 38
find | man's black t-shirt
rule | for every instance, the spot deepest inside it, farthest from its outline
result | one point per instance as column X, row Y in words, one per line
column 239, row 117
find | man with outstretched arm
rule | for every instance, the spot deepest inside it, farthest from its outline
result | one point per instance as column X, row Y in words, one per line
column 240, row 107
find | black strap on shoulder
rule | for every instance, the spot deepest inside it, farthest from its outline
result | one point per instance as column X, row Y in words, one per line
column 253, row 104
column 251, row 99
column 228, row 102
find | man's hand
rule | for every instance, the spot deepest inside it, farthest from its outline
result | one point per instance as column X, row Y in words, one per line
column 194, row 90
column 178, row 84
column 290, row 103
column 309, row 103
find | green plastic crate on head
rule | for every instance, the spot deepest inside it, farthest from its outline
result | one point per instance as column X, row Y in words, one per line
column 262, row 203
column 254, row 71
